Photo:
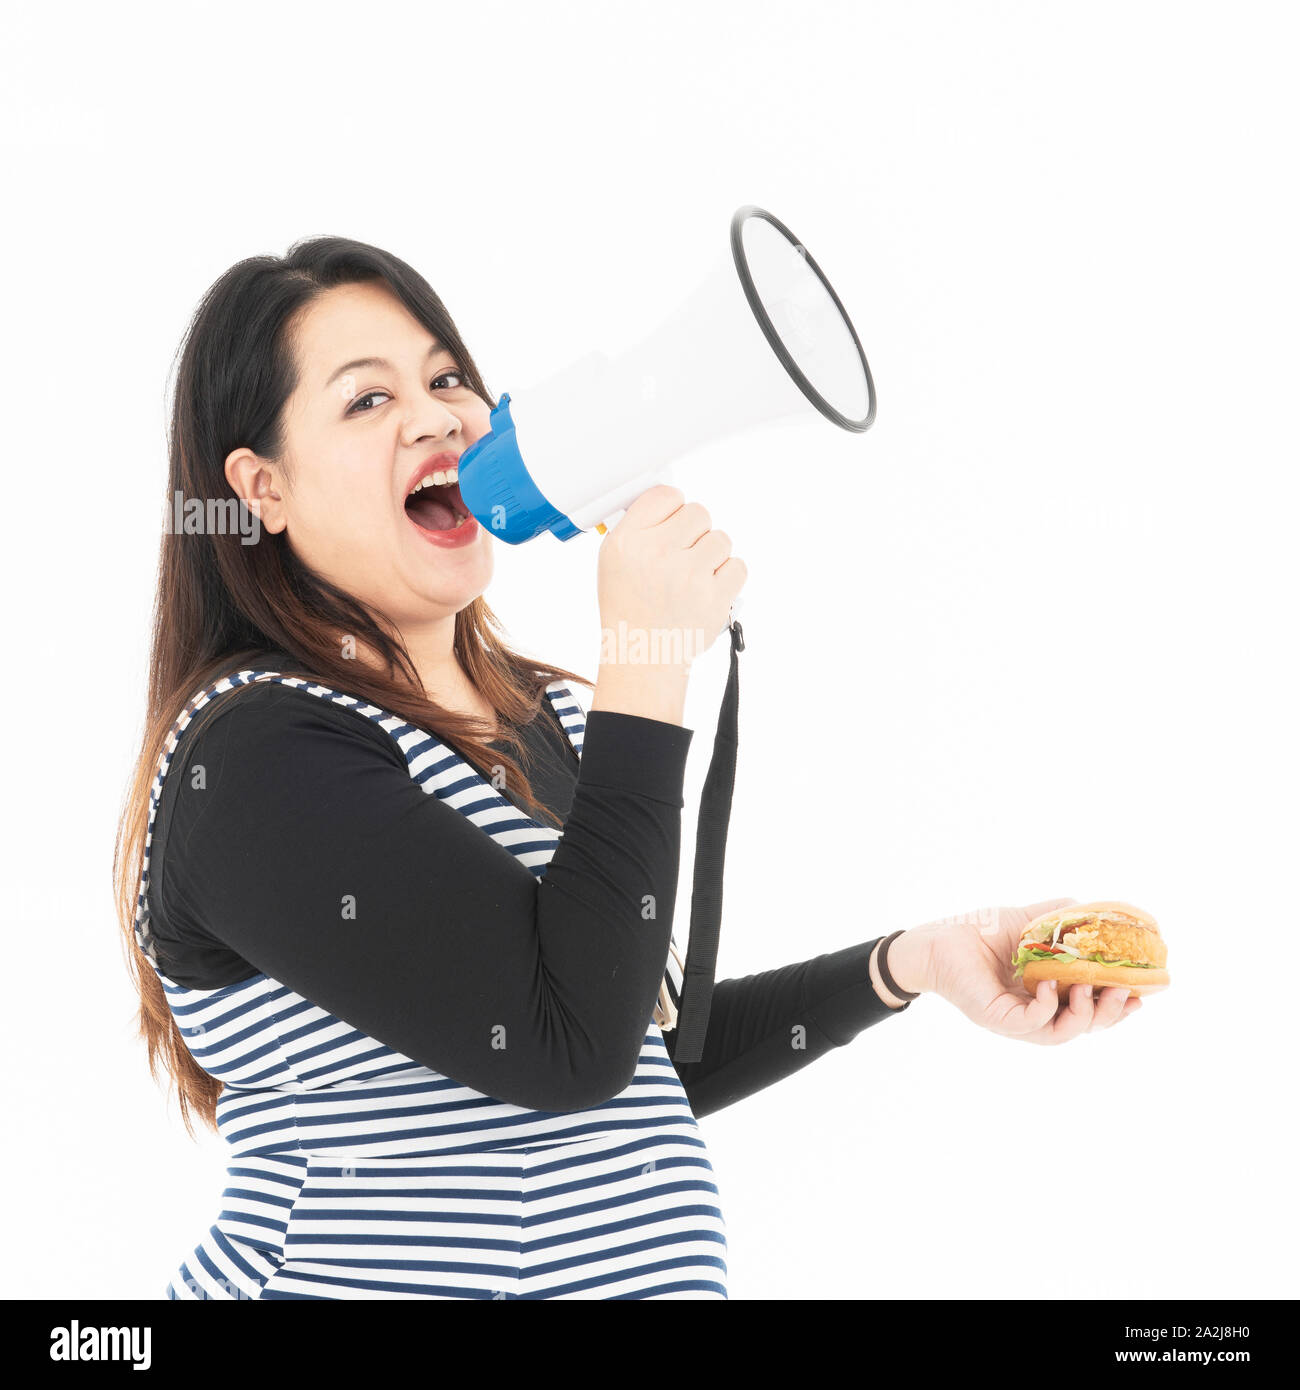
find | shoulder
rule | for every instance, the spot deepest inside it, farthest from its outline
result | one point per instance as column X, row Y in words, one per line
column 265, row 710
column 261, row 734
column 268, row 755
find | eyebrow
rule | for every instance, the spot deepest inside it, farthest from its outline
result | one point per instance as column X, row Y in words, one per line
column 377, row 362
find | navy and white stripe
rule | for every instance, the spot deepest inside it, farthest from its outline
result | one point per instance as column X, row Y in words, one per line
column 356, row 1172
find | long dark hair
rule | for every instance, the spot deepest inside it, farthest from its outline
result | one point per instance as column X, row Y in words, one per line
column 221, row 604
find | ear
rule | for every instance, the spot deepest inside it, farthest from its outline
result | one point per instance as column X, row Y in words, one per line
column 260, row 483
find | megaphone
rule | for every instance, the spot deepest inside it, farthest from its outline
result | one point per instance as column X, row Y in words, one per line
column 762, row 338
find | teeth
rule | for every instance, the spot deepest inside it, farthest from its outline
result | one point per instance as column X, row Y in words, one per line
column 440, row 477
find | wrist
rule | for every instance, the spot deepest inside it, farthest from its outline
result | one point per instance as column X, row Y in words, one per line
column 654, row 691
column 909, row 966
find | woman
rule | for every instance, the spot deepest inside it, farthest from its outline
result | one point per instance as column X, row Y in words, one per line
column 436, row 1031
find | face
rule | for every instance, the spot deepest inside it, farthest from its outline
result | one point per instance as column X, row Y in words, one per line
column 358, row 436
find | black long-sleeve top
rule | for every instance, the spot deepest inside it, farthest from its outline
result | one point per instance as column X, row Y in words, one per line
column 291, row 840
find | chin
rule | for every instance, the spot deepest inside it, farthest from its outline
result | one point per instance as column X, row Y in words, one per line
column 458, row 585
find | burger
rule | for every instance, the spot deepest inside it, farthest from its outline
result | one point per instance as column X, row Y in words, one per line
column 1098, row 944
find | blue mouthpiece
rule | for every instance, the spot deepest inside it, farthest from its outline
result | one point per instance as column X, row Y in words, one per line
column 498, row 490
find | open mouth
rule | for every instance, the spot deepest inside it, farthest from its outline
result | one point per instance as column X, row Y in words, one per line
column 437, row 506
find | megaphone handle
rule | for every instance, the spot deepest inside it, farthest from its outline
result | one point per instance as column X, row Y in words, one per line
column 663, row 474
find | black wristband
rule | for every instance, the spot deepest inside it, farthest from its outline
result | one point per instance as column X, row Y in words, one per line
column 882, row 964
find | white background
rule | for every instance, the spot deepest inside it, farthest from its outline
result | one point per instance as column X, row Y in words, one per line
column 1031, row 636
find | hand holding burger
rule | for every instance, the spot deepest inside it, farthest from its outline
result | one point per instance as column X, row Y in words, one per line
column 974, row 961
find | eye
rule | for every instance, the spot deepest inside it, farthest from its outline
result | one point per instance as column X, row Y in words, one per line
column 352, row 409
column 455, row 376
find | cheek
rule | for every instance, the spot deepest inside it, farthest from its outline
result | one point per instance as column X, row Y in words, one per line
column 348, row 496
column 477, row 420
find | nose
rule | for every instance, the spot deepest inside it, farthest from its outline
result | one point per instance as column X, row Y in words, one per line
column 432, row 420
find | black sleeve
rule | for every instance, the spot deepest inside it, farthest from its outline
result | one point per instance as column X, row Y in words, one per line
column 305, row 847
column 768, row 1026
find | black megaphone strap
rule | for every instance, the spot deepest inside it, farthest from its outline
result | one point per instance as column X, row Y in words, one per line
column 710, row 857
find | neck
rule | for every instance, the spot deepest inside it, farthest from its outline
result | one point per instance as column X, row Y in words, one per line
column 441, row 676
column 432, row 651
column 431, row 648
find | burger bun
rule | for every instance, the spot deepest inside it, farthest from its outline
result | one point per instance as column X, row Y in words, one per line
column 1094, row 972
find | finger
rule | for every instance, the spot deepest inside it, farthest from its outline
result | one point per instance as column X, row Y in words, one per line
column 1042, row 1010
column 1110, row 1006
column 1083, row 1003
column 1017, row 1017
column 1053, row 1010
column 1074, row 1018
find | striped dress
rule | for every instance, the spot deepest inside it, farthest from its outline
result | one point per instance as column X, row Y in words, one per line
column 357, row 1172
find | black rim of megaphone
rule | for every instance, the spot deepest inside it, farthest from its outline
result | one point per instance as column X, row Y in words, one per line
column 769, row 329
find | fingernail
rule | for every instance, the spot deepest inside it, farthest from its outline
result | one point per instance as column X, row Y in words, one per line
column 1087, row 991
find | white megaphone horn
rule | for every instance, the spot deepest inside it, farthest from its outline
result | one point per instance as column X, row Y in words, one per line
column 762, row 338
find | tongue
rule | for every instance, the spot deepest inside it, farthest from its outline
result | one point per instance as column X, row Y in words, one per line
column 430, row 512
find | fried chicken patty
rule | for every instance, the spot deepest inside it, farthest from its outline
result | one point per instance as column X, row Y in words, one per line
column 1118, row 942
column 1113, row 934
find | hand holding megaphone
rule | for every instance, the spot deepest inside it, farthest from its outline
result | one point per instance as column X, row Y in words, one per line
column 666, row 581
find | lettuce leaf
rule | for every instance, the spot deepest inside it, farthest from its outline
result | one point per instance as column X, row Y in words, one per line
column 1033, row 952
